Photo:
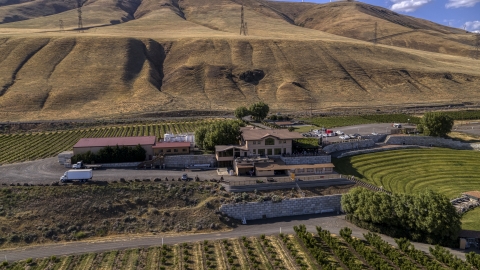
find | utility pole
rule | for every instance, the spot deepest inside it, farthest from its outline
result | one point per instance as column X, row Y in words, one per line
column 243, row 24
column 60, row 24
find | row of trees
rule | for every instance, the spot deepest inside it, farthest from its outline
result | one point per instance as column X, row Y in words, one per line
column 258, row 111
column 112, row 155
column 425, row 216
column 219, row 133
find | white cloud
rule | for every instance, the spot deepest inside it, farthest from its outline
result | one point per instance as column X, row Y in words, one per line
column 461, row 3
column 408, row 5
column 473, row 26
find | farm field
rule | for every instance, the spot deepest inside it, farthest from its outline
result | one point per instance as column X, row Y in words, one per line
column 450, row 172
column 30, row 146
column 303, row 250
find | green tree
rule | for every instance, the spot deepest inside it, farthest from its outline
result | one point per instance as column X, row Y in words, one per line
column 436, row 124
column 259, row 110
column 200, row 134
column 425, row 216
column 241, row 112
column 219, row 133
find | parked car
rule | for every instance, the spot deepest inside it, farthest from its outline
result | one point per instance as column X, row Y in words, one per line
column 352, row 136
column 357, row 135
column 374, row 133
column 185, row 177
column 344, row 137
column 338, row 132
column 396, row 125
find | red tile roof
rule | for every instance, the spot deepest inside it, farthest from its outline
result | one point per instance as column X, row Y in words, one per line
column 171, row 145
column 121, row 141
column 258, row 134
column 475, row 194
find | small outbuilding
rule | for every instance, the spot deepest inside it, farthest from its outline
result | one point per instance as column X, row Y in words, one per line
column 171, row 148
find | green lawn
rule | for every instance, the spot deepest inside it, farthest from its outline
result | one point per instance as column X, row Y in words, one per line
column 446, row 171
column 471, row 220
column 304, row 129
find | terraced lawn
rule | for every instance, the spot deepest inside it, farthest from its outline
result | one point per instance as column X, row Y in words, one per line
column 446, row 171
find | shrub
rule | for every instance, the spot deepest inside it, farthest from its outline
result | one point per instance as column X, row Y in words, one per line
column 80, row 235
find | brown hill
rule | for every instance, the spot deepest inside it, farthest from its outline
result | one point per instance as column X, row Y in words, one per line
column 357, row 20
column 140, row 56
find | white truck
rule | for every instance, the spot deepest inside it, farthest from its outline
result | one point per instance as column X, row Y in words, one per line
column 82, row 175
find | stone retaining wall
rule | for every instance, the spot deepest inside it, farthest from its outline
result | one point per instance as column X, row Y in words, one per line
column 348, row 146
column 376, row 138
column 290, row 207
column 374, row 150
column 182, row 161
column 120, row 165
column 428, row 141
column 306, row 160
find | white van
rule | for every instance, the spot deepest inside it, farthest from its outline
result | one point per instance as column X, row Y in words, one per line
column 395, row 125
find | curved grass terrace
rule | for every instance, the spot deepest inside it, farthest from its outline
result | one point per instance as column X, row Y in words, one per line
column 450, row 172
column 446, row 171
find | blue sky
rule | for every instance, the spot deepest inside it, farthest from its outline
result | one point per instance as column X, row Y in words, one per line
column 455, row 13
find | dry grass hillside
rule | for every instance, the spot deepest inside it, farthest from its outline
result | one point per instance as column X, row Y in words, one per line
column 140, row 56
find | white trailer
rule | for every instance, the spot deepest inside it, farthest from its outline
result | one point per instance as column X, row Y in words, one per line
column 82, row 175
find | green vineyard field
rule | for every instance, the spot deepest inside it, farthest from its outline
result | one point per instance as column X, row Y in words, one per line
column 304, row 250
column 31, row 146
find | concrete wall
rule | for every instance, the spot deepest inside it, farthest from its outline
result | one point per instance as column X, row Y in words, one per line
column 291, row 207
column 375, row 138
column 348, row 146
column 182, row 161
column 306, row 160
column 428, row 141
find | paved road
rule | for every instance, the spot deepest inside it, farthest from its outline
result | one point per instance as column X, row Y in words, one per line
column 472, row 127
column 48, row 170
column 255, row 228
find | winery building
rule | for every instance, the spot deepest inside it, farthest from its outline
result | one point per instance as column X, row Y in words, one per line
column 95, row 144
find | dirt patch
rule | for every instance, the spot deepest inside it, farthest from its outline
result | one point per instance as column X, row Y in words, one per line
column 41, row 214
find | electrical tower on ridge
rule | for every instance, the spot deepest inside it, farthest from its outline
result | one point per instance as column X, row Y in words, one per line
column 243, row 24
column 78, row 5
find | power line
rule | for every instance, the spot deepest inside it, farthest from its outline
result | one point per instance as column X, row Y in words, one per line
column 243, row 24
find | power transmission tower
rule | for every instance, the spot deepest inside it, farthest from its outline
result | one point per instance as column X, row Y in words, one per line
column 79, row 11
column 375, row 35
column 243, row 24
column 477, row 47
column 60, row 24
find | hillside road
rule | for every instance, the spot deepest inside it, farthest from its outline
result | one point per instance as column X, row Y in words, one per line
column 253, row 228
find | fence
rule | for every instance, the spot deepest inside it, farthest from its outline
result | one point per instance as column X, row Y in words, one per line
column 278, row 180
